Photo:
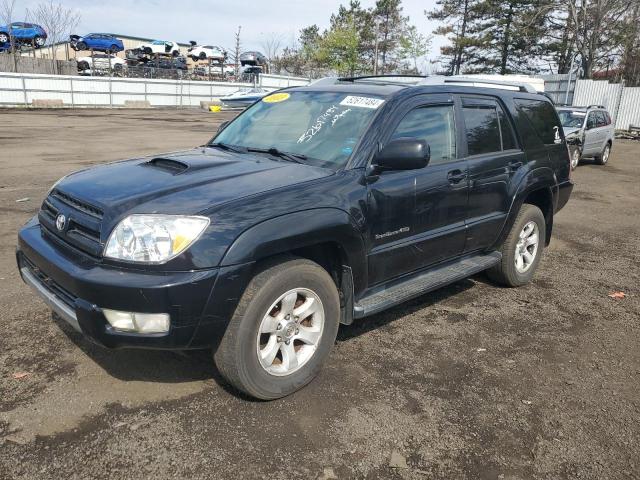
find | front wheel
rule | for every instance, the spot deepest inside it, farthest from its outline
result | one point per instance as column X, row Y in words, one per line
column 38, row 41
column 575, row 159
column 603, row 158
column 4, row 38
column 522, row 250
column 282, row 330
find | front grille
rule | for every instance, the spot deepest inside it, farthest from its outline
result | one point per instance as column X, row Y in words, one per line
column 82, row 226
column 67, row 297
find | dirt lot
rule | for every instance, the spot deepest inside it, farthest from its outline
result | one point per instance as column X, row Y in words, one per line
column 472, row 381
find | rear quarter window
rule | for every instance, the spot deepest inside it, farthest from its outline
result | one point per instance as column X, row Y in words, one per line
column 543, row 118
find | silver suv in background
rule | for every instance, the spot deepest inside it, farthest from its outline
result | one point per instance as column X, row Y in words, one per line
column 589, row 132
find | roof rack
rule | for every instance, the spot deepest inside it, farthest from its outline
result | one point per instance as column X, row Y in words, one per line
column 596, row 106
column 481, row 82
column 415, row 78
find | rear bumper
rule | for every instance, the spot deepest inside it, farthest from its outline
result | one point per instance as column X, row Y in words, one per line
column 564, row 192
column 78, row 287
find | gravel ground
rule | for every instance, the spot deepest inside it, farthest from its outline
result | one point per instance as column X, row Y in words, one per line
column 471, row 382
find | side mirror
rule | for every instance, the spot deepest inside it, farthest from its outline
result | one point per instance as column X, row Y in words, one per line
column 223, row 125
column 403, row 154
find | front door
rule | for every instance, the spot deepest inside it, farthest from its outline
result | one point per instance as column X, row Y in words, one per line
column 418, row 216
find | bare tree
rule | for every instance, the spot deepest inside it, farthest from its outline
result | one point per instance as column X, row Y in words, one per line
column 271, row 45
column 237, row 50
column 58, row 21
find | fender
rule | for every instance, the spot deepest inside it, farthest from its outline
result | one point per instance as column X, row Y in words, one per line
column 543, row 178
column 302, row 229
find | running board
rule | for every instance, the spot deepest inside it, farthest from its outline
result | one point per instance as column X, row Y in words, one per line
column 422, row 283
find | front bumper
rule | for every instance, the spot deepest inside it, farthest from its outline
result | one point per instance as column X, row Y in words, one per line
column 77, row 287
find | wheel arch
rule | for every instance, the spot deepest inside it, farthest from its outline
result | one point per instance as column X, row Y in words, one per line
column 327, row 236
column 539, row 188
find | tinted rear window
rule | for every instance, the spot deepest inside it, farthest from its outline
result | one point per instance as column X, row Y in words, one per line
column 542, row 117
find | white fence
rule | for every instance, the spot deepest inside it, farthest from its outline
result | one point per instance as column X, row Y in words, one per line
column 622, row 102
column 22, row 89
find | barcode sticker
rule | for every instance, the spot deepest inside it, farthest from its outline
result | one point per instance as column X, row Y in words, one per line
column 362, row 102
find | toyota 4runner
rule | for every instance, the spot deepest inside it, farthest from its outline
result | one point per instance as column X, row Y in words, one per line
column 316, row 206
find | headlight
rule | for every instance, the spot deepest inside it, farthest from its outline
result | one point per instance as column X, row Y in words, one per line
column 153, row 238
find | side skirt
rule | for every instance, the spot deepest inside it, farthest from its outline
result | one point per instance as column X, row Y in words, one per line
column 422, row 282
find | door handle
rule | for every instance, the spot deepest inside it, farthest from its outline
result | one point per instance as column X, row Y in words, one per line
column 456, row 176
column 515, row 165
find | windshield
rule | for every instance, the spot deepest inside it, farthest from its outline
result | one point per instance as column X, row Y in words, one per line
column 571, row 119
column 323, row 126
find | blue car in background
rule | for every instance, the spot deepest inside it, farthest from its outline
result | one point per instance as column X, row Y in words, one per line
column 23, row 33
column 100, row 42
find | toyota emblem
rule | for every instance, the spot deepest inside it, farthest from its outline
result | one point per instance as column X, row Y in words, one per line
column 61, row 221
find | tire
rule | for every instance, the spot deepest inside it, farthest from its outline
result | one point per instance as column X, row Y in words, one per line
column 38, row 41
column 203, row 56
column 575, row 158
column 237, row 357
column 83, row 65
column 113, row 49
column 603, row 158
column 4, row 37
column 81, row 46
column 507, row 272
column 175, row 53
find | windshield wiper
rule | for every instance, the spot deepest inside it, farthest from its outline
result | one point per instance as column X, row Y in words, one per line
column 291, row 157
column 228, row 147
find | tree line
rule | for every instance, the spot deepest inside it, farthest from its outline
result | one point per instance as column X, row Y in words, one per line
column 597, row 38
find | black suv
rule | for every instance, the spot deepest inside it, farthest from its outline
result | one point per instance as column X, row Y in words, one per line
column 315, row 206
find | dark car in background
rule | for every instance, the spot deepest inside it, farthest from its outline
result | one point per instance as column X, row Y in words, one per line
column 23, row 33
column 100, row 42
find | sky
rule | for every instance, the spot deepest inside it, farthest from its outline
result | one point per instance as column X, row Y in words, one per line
column 215, row 21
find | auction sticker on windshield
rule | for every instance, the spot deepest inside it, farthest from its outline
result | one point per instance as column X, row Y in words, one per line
column 362, row 102
column 276, row 97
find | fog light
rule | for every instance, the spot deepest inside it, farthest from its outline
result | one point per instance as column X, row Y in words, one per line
column 137, row 322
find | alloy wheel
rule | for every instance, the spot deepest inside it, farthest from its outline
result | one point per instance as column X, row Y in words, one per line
column 575, row 159
column 605, row 154
column 527, row 247
column 290, row 332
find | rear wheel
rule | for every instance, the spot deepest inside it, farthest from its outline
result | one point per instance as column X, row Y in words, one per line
column 282, row 330
column 81, row 46
column 38, row 41
column 603, row 158
column 113, row 49
column 522, row 250
column 203, row 56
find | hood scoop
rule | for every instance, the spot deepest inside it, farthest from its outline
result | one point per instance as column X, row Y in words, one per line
column 167, row 164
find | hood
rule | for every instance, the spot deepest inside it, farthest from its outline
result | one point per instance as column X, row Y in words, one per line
column 570, row 130
column 187, row 182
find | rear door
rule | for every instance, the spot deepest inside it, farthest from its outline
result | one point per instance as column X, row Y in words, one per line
column 494, row 158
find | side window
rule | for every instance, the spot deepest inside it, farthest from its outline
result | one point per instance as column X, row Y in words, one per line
column 508, row 140
column 434, row 124
column 591, row 120
column 607, row 117
column 543, row 118
column 601, row 121
column 482, row 126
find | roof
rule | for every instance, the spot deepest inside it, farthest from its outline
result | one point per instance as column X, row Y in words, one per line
column 391, row 85
column 579, row 108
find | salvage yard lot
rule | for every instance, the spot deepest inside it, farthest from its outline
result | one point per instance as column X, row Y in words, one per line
column 471, row 381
